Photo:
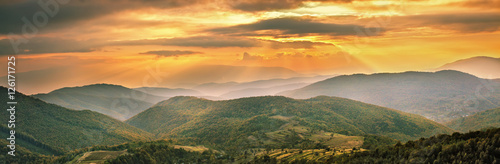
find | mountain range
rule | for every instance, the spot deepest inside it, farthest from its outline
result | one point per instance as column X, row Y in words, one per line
column 169, row 92
column 231, row 89
column 440, row 96
column 122, row 103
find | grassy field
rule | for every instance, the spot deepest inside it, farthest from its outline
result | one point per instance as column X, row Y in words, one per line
column 290, row 155
column 192, row 148
column 333, row 140
column 97, row 157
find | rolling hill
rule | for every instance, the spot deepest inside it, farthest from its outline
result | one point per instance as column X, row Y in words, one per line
column 485, row 119
column 51, row 129
column 277, row 121
column 440, row 96
column 481, row 66
column 113, row 100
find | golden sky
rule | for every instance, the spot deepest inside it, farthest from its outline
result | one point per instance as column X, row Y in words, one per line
column 90, row 41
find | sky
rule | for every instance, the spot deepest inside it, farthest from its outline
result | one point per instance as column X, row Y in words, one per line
column 134, row 43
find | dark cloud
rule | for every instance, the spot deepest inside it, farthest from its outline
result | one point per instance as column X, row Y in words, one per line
column 463, row 22
column 40, row 45
column 301, row 27
column 11, row 14
column 266, row 5
column 198, row 41
column 488, row 4
column 296, row 44
column 248, row 57
column 168, row 53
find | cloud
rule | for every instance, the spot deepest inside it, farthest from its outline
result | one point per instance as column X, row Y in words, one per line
column 39, row 45
column 487, row 4
column 248, row 57
column 266, row 5
column 74, row 11
column 197, row 41
column 296, row 44
column 463, row 22
column 168, row 53
column 299, row 26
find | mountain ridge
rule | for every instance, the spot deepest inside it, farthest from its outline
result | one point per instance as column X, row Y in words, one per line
column 441, row 95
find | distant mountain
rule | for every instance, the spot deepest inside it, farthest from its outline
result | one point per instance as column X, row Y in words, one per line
column 224, row 73
column 217, row 89
column 485, row 119
column 113, row 100
column 254, row 92
column 51, row 129
column 272, row 120
column 481, row 66
column 440, row 96
column 168, row 92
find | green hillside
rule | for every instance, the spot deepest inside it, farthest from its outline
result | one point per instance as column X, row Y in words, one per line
column 478, row 121
column 49, row 128
column 277, row 121
column 440, row 96
column 113, row 100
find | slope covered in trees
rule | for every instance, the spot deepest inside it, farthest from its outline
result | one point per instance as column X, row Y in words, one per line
column 472, row 147
column 113, row 100
column 152, row 152
column 276, row 121
column 60, row 129
column 440, row 96
column 485, row 119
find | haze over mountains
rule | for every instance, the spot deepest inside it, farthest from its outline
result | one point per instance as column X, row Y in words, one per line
column 42, row 81
column 224, row 73
column 440, row 96
column 232, row 90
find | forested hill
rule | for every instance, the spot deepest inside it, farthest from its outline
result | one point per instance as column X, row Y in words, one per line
column 472, row 147
column 485, row 119
column 49, row 128
column 255, row 121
